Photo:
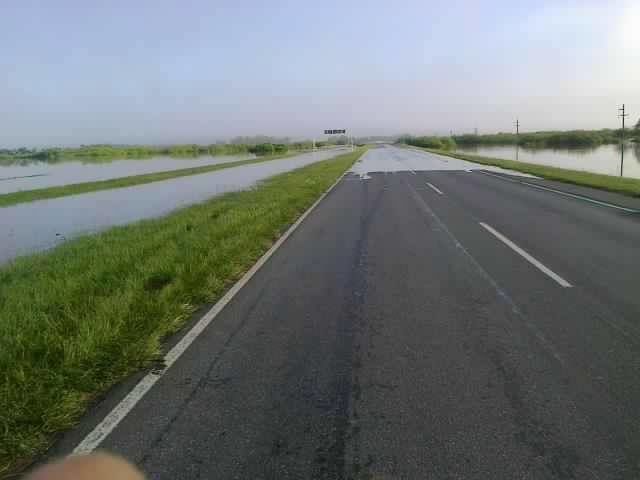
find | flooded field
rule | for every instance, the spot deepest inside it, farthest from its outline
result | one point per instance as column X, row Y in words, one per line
column 36, row 226
column 604, row 159
column 29, row 175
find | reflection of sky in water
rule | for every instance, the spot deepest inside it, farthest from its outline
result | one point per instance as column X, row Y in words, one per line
column 34, row 226
column 32, row 175
column 604, row 159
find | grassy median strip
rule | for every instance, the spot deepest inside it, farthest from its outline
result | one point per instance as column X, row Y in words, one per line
column 626, row 186
column 76, row 320
column 23, row 196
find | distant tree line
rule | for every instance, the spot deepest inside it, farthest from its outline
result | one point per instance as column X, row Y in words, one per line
column 552, row 139
column 438, row 143
column 98, row 153
column 258, row 139
column 377, row 138
column 568, row 139
column 268, row 149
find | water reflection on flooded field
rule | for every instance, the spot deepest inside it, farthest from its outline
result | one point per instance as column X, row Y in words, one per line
column 604, row 159
column 30, row 175
column 36, row 226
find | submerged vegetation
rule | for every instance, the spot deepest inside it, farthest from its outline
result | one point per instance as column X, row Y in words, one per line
column 81, row 317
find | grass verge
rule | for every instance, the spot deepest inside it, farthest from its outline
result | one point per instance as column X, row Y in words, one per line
column 80, row 318
column 626, row 186
column 23, row 196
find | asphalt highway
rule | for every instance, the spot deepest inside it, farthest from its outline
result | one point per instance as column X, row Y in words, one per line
column 429, row 319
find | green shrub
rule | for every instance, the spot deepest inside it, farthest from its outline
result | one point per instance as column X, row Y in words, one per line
column 269, row 149
column 440, row 143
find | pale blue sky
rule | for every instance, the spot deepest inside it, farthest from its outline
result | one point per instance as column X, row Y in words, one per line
column 167, row 71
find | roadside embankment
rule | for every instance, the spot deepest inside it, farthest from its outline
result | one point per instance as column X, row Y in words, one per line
column 78, row 319
column 625, row 186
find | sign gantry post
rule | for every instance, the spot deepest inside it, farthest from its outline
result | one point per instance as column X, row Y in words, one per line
column 340, row 132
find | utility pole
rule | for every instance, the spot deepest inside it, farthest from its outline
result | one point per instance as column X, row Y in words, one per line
column 517, row 139
column 622, row 115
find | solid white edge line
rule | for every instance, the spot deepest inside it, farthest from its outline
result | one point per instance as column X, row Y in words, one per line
column 560, row 192
column 527, row 257
column 120, row 411
column 436, row 189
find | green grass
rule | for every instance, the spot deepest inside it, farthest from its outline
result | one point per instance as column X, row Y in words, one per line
column 103, row 153
column 626, row 186
column 81, row 317
column 23, row 196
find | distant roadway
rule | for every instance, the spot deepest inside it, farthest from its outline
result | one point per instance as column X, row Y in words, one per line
column 426, row 320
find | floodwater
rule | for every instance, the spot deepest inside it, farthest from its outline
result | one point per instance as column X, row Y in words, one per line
column 604, row 159
column 31, row 227
column 389, row 158
column 29, row 175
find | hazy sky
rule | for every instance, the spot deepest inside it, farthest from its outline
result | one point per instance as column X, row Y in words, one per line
column 166, row 71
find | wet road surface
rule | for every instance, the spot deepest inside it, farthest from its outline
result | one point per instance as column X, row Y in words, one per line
column 407, row 331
